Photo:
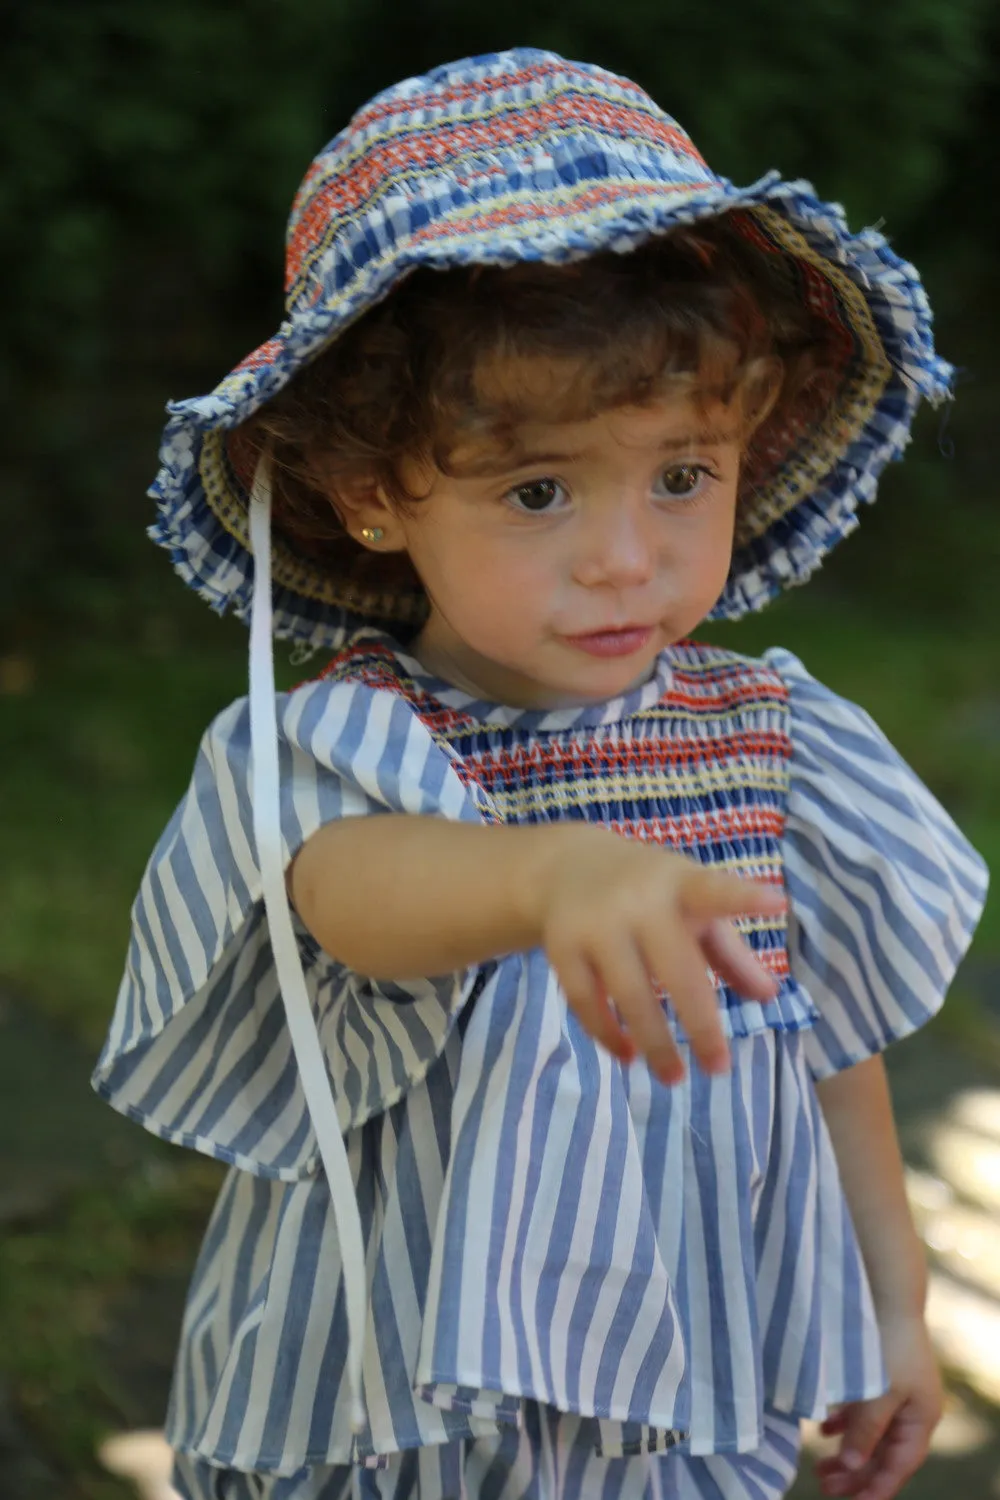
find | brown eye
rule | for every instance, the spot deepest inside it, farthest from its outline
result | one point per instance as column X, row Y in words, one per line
column 537, row 497
column 684, row 481
column 681, row 479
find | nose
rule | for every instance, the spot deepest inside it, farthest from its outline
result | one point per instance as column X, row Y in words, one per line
column 615, row 550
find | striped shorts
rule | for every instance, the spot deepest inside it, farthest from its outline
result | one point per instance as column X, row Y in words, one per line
column 539, row 1461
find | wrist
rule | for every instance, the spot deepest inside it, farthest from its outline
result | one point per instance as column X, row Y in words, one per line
column 546, row 856
column 901, row 1305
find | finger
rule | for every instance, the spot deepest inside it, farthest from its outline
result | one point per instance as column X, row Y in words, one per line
column 866, row 1422
column 706, row 893
column 589, row 1002
column 838, row 1481
column 880, row 1479
column 834, row 1423
column 623, row 974
column 679, row 965
column 619, row 1042
column 735, row 961
column 897, row 1457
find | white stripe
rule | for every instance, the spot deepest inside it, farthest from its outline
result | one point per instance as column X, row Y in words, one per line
column 313, row 1345
column 701, row 1292
column 237, row 835
column 371, row 747
column 741, row 1345
column 513, row 1212
column 581, row 1240
column 807, row 1255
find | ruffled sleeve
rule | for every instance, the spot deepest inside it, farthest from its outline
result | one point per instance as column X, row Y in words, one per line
column 198, row 1050
column 885, row 892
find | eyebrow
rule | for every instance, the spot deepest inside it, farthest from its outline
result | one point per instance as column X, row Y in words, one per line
column 508, row 462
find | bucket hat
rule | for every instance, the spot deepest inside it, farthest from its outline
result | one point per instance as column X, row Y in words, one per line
column 523, row 156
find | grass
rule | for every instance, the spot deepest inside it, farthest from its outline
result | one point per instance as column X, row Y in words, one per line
column 98, row 731
column 97, row 742
column 59, row 1280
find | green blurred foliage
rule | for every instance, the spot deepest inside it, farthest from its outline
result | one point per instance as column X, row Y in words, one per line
column 153, row 151
column 189, row 123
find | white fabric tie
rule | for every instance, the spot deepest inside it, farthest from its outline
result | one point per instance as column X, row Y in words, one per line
column 301, row 1022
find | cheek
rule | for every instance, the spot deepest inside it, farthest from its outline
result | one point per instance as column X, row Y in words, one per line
column 484, row 578
column 695, row 561
column 713, row 549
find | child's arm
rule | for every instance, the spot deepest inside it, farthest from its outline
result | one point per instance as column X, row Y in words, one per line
column 397, row 896
column 886, row 1439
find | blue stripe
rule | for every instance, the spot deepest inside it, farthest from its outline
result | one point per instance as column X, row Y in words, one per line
column 446, row 1333
column 602, row 1260
column 541, row 1116
column 205, row 796
column 871, row 958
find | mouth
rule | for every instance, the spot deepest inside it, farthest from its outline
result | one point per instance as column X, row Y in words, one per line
column 624, row 640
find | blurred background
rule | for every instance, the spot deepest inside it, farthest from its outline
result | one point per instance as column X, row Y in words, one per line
column 152, row 155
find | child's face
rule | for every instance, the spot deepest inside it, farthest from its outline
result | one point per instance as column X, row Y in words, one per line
column 557, row 573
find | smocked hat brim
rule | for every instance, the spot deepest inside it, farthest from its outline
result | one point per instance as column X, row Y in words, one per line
column 556, row 208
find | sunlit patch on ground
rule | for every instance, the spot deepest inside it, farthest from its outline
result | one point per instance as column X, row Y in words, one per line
column 144, row 1460
column 961, row 1430
column 957, row 1207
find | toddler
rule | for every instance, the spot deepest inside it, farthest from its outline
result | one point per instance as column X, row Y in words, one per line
column 531, row 965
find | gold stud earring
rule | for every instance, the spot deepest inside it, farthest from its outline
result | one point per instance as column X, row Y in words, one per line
column 372, row 533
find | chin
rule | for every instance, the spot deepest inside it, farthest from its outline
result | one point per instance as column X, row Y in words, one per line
column 612, row 678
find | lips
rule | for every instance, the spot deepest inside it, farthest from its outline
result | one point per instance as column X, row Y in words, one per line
column 624, row 640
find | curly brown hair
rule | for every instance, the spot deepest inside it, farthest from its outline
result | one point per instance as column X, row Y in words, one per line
column 422, row 374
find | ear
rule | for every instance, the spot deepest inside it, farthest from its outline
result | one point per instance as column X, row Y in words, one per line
column 367, row 509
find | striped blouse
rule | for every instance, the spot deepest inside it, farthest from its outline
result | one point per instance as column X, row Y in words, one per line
column 540, row 1223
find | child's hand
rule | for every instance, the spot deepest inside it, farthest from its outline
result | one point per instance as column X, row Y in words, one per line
column 885, row 1440
column 618, row 916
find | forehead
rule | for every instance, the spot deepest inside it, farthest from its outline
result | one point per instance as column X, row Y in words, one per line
column 668, row 420
column 670, row 423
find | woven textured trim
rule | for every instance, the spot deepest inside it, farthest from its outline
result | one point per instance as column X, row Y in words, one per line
column 845, row 420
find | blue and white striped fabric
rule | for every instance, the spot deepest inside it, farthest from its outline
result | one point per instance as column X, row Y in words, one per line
column 649, row 1268
column 198, row 1050
column 885, row 891
column 549, row 1457
column 656, row 1283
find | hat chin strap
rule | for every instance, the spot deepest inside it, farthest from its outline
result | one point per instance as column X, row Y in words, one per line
column 265, row 790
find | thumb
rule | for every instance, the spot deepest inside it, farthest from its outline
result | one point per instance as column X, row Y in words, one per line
column 864, row 1423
